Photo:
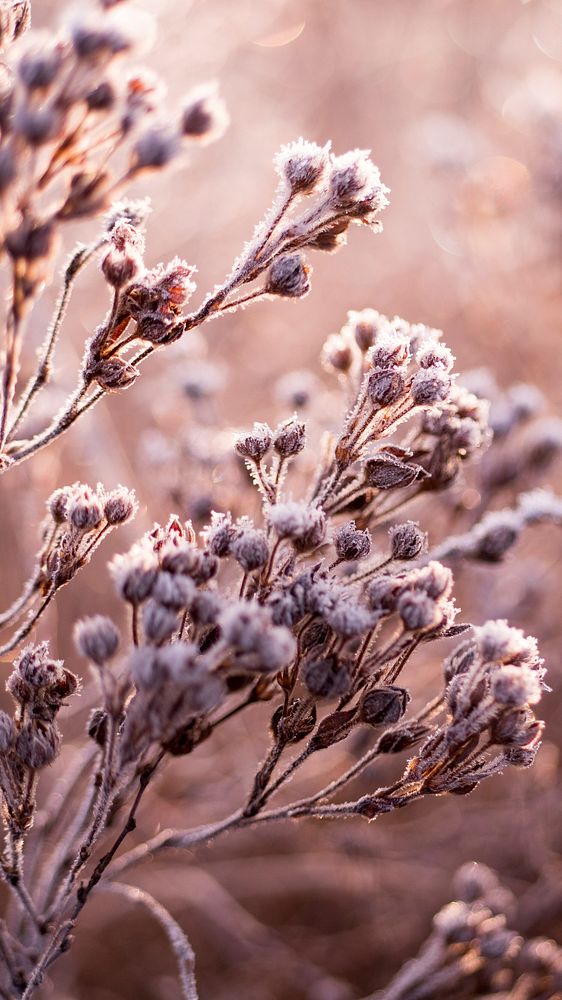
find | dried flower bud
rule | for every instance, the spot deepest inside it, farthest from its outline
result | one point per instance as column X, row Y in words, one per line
column 352, row 544
column 120, row 506
column 303, row 165
column 382, row 593
column 366, row 327
column 36, row 667
column 303, row 523
column 154, row 148
column 290, row 437
column 495, row 535
column 159, row 623
column 385, row 472
column 326, row 678
column 96, row 638
column 288, row 276
column 385, row 386
column 134, row 574
column 251, row 549
column 430, row 386
column 220, row 534
column 407, row 541
column 31, row 241
column 384, row 705
column 173, row 590
column 417, row 611
column 85, row 511
column 337, row 353
column 38, row 70
column 355, row 180
column 516, row 686
column 114, row 373
column 59, row 502
column 255, row 444
column 435, row 356
column 37, row 744
column 205, row 116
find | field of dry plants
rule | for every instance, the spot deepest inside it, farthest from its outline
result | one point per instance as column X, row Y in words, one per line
column 280, row 500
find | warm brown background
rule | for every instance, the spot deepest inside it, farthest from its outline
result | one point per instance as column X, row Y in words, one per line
column 460, row 102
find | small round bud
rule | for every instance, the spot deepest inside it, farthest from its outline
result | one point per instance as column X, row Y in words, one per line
column 290, row 437
column 255, row 444
column 325, row 678
column 155, row 148
column 430, row 386
column 354, row 180
column 385, row 386
column 417, row 610
column 303, row 523
column 384, row 705
column 251, row 549
column 220, row 534
column 352, row 544
column 159, row 623
column 288, row 277
column 120, row 506
column 407, row 541
column 58, row 504
column 382, row 594
column 303, row 165
column 205, row 116
column 435, row 356
column 37, row 744
column 85, row 511
column 516, row 686
column 114, row 373
column 173, row 590
column 96, row 638
column 337, row 353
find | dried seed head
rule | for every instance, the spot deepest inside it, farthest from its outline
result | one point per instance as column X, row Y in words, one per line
column 326, row 677
column 303, row 165
column 434, row 579
column 337, row 353
column 255, row 444
column 417, row 610
column 38, row 69
column 135, row 573
column 355, row 180
column 430, row 386
column 304, row 524
column 85, row 511
column 120, row 506
column 288, row 276
column 351, row 543
column 290, row 437
column 123, row 262
column 159, row 623
column 155, row 148
column 366, row 327
column 205, row 116
column 37, row 744
column 499, row 642
column 250, row 549
column 495, row 535
column 348, row 619
column 382, row 593
column 220, row 534
column 36, row 667
column 96, row 638
column 59, row 503
column 114, row 373
column 385, row 386
column 407, row 541
column 384, row 705
column 516, row 686
column 386, row 472
column 435, row 355
column 173, row 590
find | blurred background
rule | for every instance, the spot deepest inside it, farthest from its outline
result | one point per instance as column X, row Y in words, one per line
column 460, row 102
